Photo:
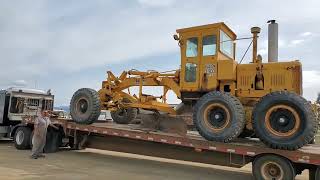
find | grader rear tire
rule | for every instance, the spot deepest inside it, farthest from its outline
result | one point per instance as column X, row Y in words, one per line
column 85, row 106
column 284, row 120
column 219, row 116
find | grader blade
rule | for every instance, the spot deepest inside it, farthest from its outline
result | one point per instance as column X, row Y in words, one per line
column 163, row 122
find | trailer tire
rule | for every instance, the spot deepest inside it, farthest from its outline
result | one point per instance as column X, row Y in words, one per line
column 284, row 120
column 219, row 116
column 22, row 138
column 272, row 167
column 85, row 106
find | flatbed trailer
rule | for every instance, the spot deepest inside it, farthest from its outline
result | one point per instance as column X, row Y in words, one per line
column 192, row 147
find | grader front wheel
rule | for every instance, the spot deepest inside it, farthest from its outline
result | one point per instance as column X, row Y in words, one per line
column 284, row 120
column 85, row 106
column 219, row 116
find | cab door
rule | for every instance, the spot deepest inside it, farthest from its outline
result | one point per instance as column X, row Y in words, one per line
column 190, row 61
column 208, row 66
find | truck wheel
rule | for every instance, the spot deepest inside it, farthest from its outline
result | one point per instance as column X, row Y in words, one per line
column 30, row 141
column 219, row 116
column 272, row 167
column 314, row 173
column 53, row 141
column 124, row 116
column 22, row 138
column 71, row 142
column 284, row 120
column 85, row 106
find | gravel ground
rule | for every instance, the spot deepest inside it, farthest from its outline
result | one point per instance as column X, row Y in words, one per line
column 99, row 164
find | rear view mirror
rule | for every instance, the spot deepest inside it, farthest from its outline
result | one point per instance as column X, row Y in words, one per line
column 176, row 37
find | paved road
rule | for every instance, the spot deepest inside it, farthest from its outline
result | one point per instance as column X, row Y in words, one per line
column 96, row 164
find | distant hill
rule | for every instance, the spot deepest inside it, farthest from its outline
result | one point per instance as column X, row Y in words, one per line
column 65, row 108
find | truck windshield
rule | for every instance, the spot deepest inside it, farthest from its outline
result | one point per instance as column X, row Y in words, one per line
column 17, row 105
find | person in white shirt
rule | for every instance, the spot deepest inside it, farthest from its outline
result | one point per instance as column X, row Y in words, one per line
column 41, row 124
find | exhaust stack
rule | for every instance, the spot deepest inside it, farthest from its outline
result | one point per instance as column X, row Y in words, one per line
column 272, row 41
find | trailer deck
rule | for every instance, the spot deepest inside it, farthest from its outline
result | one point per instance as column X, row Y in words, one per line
column 192, row 147
column 246, row 147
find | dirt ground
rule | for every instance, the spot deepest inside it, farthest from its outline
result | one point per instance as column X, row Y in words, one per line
column 98, row 164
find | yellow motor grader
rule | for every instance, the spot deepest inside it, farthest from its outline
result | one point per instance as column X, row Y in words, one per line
column 227, row 98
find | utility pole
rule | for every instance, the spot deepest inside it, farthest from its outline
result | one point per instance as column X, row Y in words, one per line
column 35, row 84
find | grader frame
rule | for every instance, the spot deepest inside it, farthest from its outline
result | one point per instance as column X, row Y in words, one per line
column 113, row 88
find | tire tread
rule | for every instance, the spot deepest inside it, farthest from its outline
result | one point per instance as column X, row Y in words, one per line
column 290, row 96
column 239, row 111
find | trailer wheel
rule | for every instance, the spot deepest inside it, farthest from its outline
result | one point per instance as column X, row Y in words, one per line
column 219, row 116
column 284, row 120
column 22, row 138
column 85, row 106
column 272, row 167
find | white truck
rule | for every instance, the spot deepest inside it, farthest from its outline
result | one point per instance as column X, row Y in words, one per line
column 16, row 103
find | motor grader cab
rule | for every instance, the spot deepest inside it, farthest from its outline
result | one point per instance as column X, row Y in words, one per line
column 204, row 49
column 227, row 98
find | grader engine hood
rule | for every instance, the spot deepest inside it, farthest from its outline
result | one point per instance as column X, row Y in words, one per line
column 280, row 76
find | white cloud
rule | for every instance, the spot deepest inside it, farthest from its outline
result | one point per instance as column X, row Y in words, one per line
column 311, row 84
column 281, row 43
column 296, row 42
column 20, row 83
column 306, row 34
column 156, row 3
column 263, row 52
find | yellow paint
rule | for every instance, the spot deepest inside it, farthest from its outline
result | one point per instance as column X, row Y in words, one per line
column 218, row 71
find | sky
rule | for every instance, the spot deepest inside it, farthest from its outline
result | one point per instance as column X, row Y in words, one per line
column 66, row 45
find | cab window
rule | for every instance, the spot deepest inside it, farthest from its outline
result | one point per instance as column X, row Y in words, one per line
column 226, row 44
column 192, row 47
column 209, row 45
column 190, row 72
